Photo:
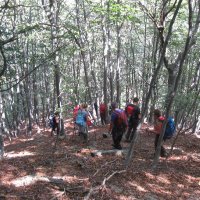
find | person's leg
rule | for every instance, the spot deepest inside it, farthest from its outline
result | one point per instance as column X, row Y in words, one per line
column 101, row 116
column 85, row 134
column 53, row 130
column 104, row 119
column 58, row 129
column 156, row 141
column 128, row 133
column 163, row 152
column 133, row 131
column 80, row 129
column 119, row 138
column 114, row 137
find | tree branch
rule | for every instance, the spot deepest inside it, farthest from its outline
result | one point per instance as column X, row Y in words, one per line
column 102, row 186
column 31, row 71
column 15, row 36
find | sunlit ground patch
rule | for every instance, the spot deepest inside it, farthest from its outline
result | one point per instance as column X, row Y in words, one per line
column 137, row 186
column 28, row 180
column 19, row 141
column 31, row 179
column 13, row 154
column 26, row 139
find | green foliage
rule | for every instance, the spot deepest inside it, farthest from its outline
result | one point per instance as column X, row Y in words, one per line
column 116, row 13
column 87, row 33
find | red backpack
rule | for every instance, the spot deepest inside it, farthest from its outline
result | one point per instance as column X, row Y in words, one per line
column 102, row 108
column 129, row 109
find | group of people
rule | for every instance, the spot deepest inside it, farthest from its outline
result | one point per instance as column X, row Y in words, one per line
column 124, row 121
column 121, row 121
column 132, row 116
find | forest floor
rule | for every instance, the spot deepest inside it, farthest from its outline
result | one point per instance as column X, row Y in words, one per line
column 34, row 170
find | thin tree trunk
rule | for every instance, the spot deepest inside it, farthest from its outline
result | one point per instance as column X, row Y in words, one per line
column 174, row 77
column 152, row 83
column 1, row 128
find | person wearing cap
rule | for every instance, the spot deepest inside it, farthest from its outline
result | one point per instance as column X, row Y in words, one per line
column 157, row 128
column 117, row 129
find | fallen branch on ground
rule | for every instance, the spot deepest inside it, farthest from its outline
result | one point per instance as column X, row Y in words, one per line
column 103, row 184
column 113, row 151
column 103, row 166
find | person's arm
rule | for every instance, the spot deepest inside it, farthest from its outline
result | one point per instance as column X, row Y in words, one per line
column 57, row 119
column 151, row 130
column 139, row 113
column 87, row 116
column 156, row 129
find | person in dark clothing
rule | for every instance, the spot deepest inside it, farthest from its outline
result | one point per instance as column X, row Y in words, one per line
column 117, row 126
column 55, row 124
column 133, row 115
column 103, row 111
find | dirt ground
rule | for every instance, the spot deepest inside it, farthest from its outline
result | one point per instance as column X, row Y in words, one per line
column 34, row 169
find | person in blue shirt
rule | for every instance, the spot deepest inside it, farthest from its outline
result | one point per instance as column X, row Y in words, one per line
column 81, row 121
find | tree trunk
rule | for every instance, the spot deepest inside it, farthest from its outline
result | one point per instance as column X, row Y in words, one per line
column 177, row 66
column 1, row 128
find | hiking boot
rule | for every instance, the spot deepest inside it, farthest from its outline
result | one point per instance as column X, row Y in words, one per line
column 53, row 133
column 117, row 146
column 113, row 145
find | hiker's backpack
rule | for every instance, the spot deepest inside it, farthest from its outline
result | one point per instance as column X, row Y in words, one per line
column 51, row 121
column 170, row 128
column 81, row 118
column 129, row 110
column 121, row 119
column 102, row 108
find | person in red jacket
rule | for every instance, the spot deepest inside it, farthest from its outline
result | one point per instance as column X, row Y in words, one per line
column 75, row 112
column 157, row 128
column 103, row 111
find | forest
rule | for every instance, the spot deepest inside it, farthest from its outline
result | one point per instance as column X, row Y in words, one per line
column 56, row 54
